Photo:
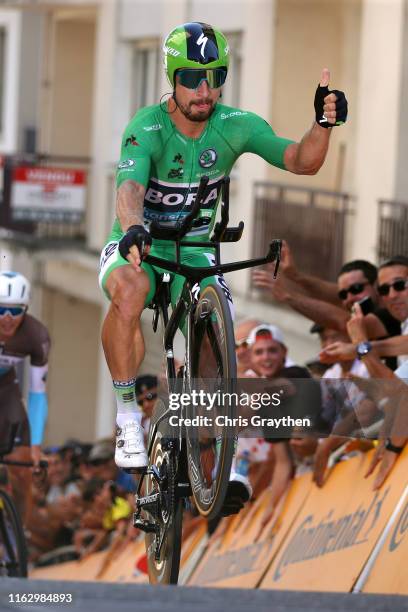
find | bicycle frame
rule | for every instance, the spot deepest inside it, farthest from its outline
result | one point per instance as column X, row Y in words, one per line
column 193, row 275
column 185, row 308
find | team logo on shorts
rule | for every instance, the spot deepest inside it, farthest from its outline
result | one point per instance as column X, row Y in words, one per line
column 208, row 158
column 127, row 163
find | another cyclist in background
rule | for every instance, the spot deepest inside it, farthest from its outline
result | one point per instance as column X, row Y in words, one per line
column 166, row 149
column 21, row 336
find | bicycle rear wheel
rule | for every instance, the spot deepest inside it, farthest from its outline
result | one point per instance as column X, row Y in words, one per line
column 13, row 549
column 163, row 548
column 213, row 367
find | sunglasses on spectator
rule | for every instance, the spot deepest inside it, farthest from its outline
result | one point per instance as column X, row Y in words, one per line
column 192, row 78
column 149, row 396
column 398, row 285
column 354, row 289
column 14, row 311
column 241, row 343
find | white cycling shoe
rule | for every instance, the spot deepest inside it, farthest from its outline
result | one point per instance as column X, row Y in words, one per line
column 130, row 451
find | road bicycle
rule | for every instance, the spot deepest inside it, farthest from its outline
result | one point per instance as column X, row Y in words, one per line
column 186, row 461
column 13, row 547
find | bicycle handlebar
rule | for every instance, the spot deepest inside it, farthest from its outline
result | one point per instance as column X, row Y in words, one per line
column 198, row 274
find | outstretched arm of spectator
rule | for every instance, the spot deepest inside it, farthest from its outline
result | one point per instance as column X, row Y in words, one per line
column 324, row 313
column 101, row 535
column 283, row 471
column 321, row 458
column 391, row 347
column 386, row 460
column 344, row 351
column 357, row 330
column 311, row 285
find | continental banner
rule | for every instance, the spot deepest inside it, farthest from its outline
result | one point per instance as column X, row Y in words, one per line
column 389, row 573
column 337, row 528
column 242, row 547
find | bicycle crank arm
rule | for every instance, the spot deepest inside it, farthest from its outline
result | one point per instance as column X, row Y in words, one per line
column 149, row 503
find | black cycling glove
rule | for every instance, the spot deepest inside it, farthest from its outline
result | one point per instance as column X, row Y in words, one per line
column 341, row 106
column 136, row 235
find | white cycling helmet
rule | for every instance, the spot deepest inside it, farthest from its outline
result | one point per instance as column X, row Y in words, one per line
column 14, row 288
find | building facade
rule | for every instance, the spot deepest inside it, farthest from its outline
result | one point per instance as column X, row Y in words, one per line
column 74, row 72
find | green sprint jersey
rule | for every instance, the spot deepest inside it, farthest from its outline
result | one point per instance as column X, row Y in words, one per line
column 169, row 165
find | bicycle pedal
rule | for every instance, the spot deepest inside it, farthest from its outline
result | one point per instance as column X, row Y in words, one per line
column 146, row 526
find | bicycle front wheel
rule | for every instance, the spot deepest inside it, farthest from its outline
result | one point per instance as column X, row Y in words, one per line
column 13, row 549
column 212, row 367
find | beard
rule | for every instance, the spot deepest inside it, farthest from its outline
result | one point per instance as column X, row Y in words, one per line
column 193, row 114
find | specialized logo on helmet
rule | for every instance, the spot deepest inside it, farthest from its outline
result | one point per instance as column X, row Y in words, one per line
column 127, row 163
column 202, row 40
column 208, row 158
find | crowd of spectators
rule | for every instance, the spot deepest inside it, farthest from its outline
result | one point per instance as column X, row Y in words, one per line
column 362, row 323
column 355, row 391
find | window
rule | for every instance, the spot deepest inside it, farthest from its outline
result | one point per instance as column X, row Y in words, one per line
column 232, row 89
column 145, row 74
column 2, row 74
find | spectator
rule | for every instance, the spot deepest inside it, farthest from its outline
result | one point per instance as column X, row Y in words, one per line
column 101, row 464
column 393, row 288
column 75, row 452
column 268, row 359
column 327, row 303
column 242, row 350
column 260, row 452
column 146, row 387
column 59, row 477
column 107, row 512
column 341, row 402
column 389, row 449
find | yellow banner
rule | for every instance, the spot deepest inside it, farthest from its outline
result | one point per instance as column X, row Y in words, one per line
column 336, row 529
column 242, row 548
column 389, row 573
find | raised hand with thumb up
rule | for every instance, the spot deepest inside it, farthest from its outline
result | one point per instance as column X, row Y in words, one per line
column 330, row 105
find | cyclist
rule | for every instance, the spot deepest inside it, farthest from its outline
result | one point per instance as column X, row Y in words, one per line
column 21, row 336
column 166, row 148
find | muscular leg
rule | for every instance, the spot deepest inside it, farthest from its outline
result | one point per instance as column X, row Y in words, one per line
column 122, row 337
column 124, row 350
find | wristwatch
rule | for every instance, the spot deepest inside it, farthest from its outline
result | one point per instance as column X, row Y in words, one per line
column 391, row 447
column 363, row 348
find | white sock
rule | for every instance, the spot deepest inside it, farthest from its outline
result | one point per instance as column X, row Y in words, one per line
column 126, row 404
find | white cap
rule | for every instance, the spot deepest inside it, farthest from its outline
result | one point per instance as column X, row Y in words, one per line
column 14, row 288
column 269, row 332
